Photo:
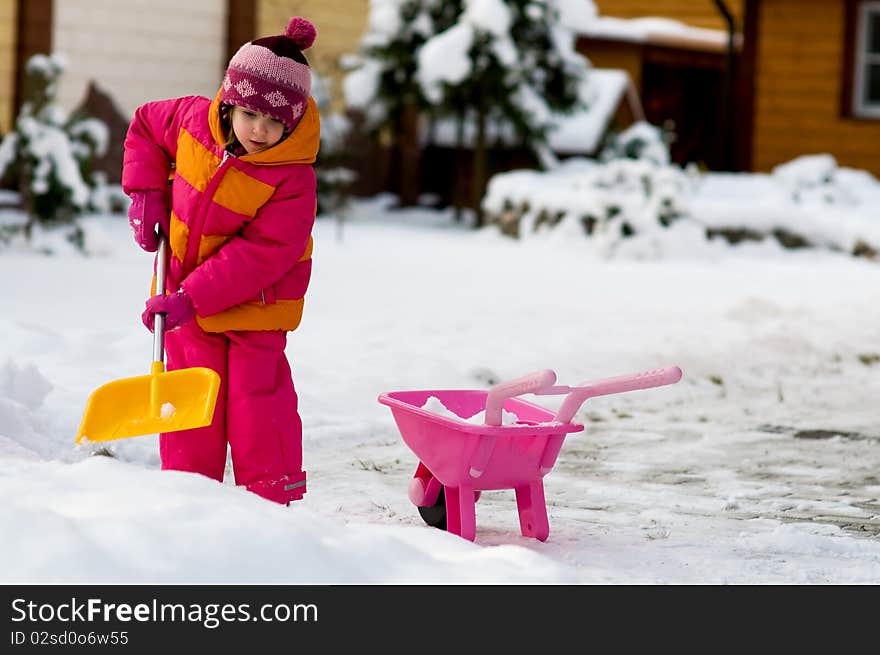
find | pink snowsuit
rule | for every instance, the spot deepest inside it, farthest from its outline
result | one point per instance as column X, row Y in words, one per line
column 240, row 246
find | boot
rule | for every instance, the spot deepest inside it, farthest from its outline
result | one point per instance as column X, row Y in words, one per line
column 283, row 489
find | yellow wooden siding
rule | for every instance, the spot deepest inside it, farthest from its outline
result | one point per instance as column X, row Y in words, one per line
column 699, row 13
column 614, row 54
column 8, row 23
column 340, row 25
column 798, row 89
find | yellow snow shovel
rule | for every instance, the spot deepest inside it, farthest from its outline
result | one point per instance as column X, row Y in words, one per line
column 163, row 401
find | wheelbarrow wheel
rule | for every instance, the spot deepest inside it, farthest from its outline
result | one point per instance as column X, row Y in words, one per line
column 435, row 515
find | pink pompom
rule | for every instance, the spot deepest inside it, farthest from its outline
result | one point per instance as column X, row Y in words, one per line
column 301, row 32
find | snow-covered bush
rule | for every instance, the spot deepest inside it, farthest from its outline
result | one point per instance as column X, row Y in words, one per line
column 817, row 180
column 606, row 202
column 641, row 140
column 48, row 156
column 637, row 206
column 808, row 202
column 632, row 189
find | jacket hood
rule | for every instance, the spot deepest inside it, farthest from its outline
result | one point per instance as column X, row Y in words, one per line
column 300, row 147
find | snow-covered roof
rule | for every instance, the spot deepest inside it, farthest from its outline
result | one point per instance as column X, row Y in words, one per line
column 657, row 31
column 582, row 131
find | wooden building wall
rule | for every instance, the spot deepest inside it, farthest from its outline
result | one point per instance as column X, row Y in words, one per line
column 340, row 25
column 140, row 50
column 8, row 45
column 699, row 13
column 799, row 77
column 623, row 55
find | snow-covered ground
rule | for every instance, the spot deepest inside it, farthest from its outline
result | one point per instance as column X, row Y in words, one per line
column 760, row 466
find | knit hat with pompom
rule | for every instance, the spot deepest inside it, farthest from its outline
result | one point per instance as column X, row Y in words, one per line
column 271, row 75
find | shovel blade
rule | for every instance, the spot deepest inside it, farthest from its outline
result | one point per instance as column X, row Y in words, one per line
column 150, row 404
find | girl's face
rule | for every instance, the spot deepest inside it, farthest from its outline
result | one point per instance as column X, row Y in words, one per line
column 255, row 131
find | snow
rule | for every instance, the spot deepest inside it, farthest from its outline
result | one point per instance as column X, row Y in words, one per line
column 582, row 131
column 492, row 16
column 759, row 466
column 94, row 130
column 711, row 480
column 649, row 29
column 444, row 59
column 577, row 15
column 436, row 406
column 383, row 22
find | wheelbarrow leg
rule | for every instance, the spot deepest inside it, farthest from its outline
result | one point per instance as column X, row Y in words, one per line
column 461, row 518
column 532, row 510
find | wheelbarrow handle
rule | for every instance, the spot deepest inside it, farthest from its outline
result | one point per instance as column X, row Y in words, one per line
column 159, row 319
column 643, row 380
column 530, row 383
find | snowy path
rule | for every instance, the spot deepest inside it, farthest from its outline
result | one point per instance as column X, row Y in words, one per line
column 702, row 482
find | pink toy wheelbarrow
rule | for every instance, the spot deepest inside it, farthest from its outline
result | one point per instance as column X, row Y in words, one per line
column 462, row 453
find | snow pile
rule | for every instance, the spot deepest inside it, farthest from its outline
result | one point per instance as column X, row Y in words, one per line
column 436, row 406
column 22, row 392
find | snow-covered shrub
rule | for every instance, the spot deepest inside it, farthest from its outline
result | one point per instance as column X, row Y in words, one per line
column 808, row 202
column 641, row 140
column 606, row 202
column 817, row 180
column 632, row 189
column 48, row 155
column 640, row 208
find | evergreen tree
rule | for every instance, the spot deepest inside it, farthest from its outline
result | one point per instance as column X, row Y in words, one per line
column 508, row 64
column 393, row 101
column 516, row 67
column 48, row 156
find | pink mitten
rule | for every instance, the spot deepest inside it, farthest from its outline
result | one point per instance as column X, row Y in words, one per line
column 177, row 307
column 148, row 210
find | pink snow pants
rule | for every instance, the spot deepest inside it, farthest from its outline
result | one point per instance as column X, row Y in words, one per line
column 256, row 412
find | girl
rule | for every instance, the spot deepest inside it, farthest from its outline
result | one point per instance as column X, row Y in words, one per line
column 238, row 218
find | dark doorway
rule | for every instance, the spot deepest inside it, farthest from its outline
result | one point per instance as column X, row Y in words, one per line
column 683, row 93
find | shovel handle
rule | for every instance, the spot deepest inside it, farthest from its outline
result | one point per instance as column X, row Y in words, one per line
column 159, row 319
